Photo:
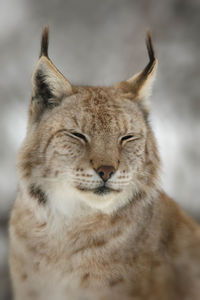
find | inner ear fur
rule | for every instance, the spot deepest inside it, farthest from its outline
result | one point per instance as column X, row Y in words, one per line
column 139, row 86
column 49, row 86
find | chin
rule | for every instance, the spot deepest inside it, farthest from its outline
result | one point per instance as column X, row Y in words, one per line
column 105, row 199
column 101, row 191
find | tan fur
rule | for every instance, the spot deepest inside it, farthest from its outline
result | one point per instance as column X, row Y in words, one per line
column 71, row 239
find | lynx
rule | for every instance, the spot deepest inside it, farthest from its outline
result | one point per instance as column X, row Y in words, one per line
column 91, row 221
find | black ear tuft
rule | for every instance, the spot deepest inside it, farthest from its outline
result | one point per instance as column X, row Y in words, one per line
column 45, row 42
column 150, row 48
column 49, row 86
column 140, row 85
column 148, row 69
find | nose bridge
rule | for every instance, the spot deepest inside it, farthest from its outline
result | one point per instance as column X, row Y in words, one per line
column 104, row 152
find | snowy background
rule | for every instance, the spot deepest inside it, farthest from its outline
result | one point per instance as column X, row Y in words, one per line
column 102, row 42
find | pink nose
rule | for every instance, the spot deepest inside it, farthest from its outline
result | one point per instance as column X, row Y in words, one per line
column 105, row 172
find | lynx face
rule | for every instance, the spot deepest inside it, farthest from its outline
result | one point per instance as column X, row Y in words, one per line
column 88, row 145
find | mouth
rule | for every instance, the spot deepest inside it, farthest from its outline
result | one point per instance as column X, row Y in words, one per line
column 102, row 190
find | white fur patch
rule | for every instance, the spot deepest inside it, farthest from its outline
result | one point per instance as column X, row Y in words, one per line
column 71, row 202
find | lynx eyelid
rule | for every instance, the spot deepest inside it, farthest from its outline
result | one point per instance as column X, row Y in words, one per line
column 79, row 136
column 128, row 137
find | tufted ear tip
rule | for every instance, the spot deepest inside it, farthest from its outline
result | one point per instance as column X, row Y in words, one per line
column 140, row 85
column 45, row 42
column 49, row 86
column 141, row 78
column 150, row 47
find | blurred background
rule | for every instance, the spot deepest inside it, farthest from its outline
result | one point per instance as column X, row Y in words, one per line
column 102, row 42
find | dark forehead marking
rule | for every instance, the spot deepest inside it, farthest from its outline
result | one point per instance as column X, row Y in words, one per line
column 37, row 193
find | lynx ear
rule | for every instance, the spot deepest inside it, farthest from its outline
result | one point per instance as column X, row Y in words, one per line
column 140, row 85
column 49, row 86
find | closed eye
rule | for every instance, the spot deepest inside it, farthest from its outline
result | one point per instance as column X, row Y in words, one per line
column 126, row 137
column 129, row 137
column 79, row 135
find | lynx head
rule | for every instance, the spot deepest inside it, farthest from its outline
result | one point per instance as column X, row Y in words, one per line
column 89, row 145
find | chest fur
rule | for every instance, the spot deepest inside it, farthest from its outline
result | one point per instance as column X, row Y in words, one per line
column 94, row 256
column 69, row 245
